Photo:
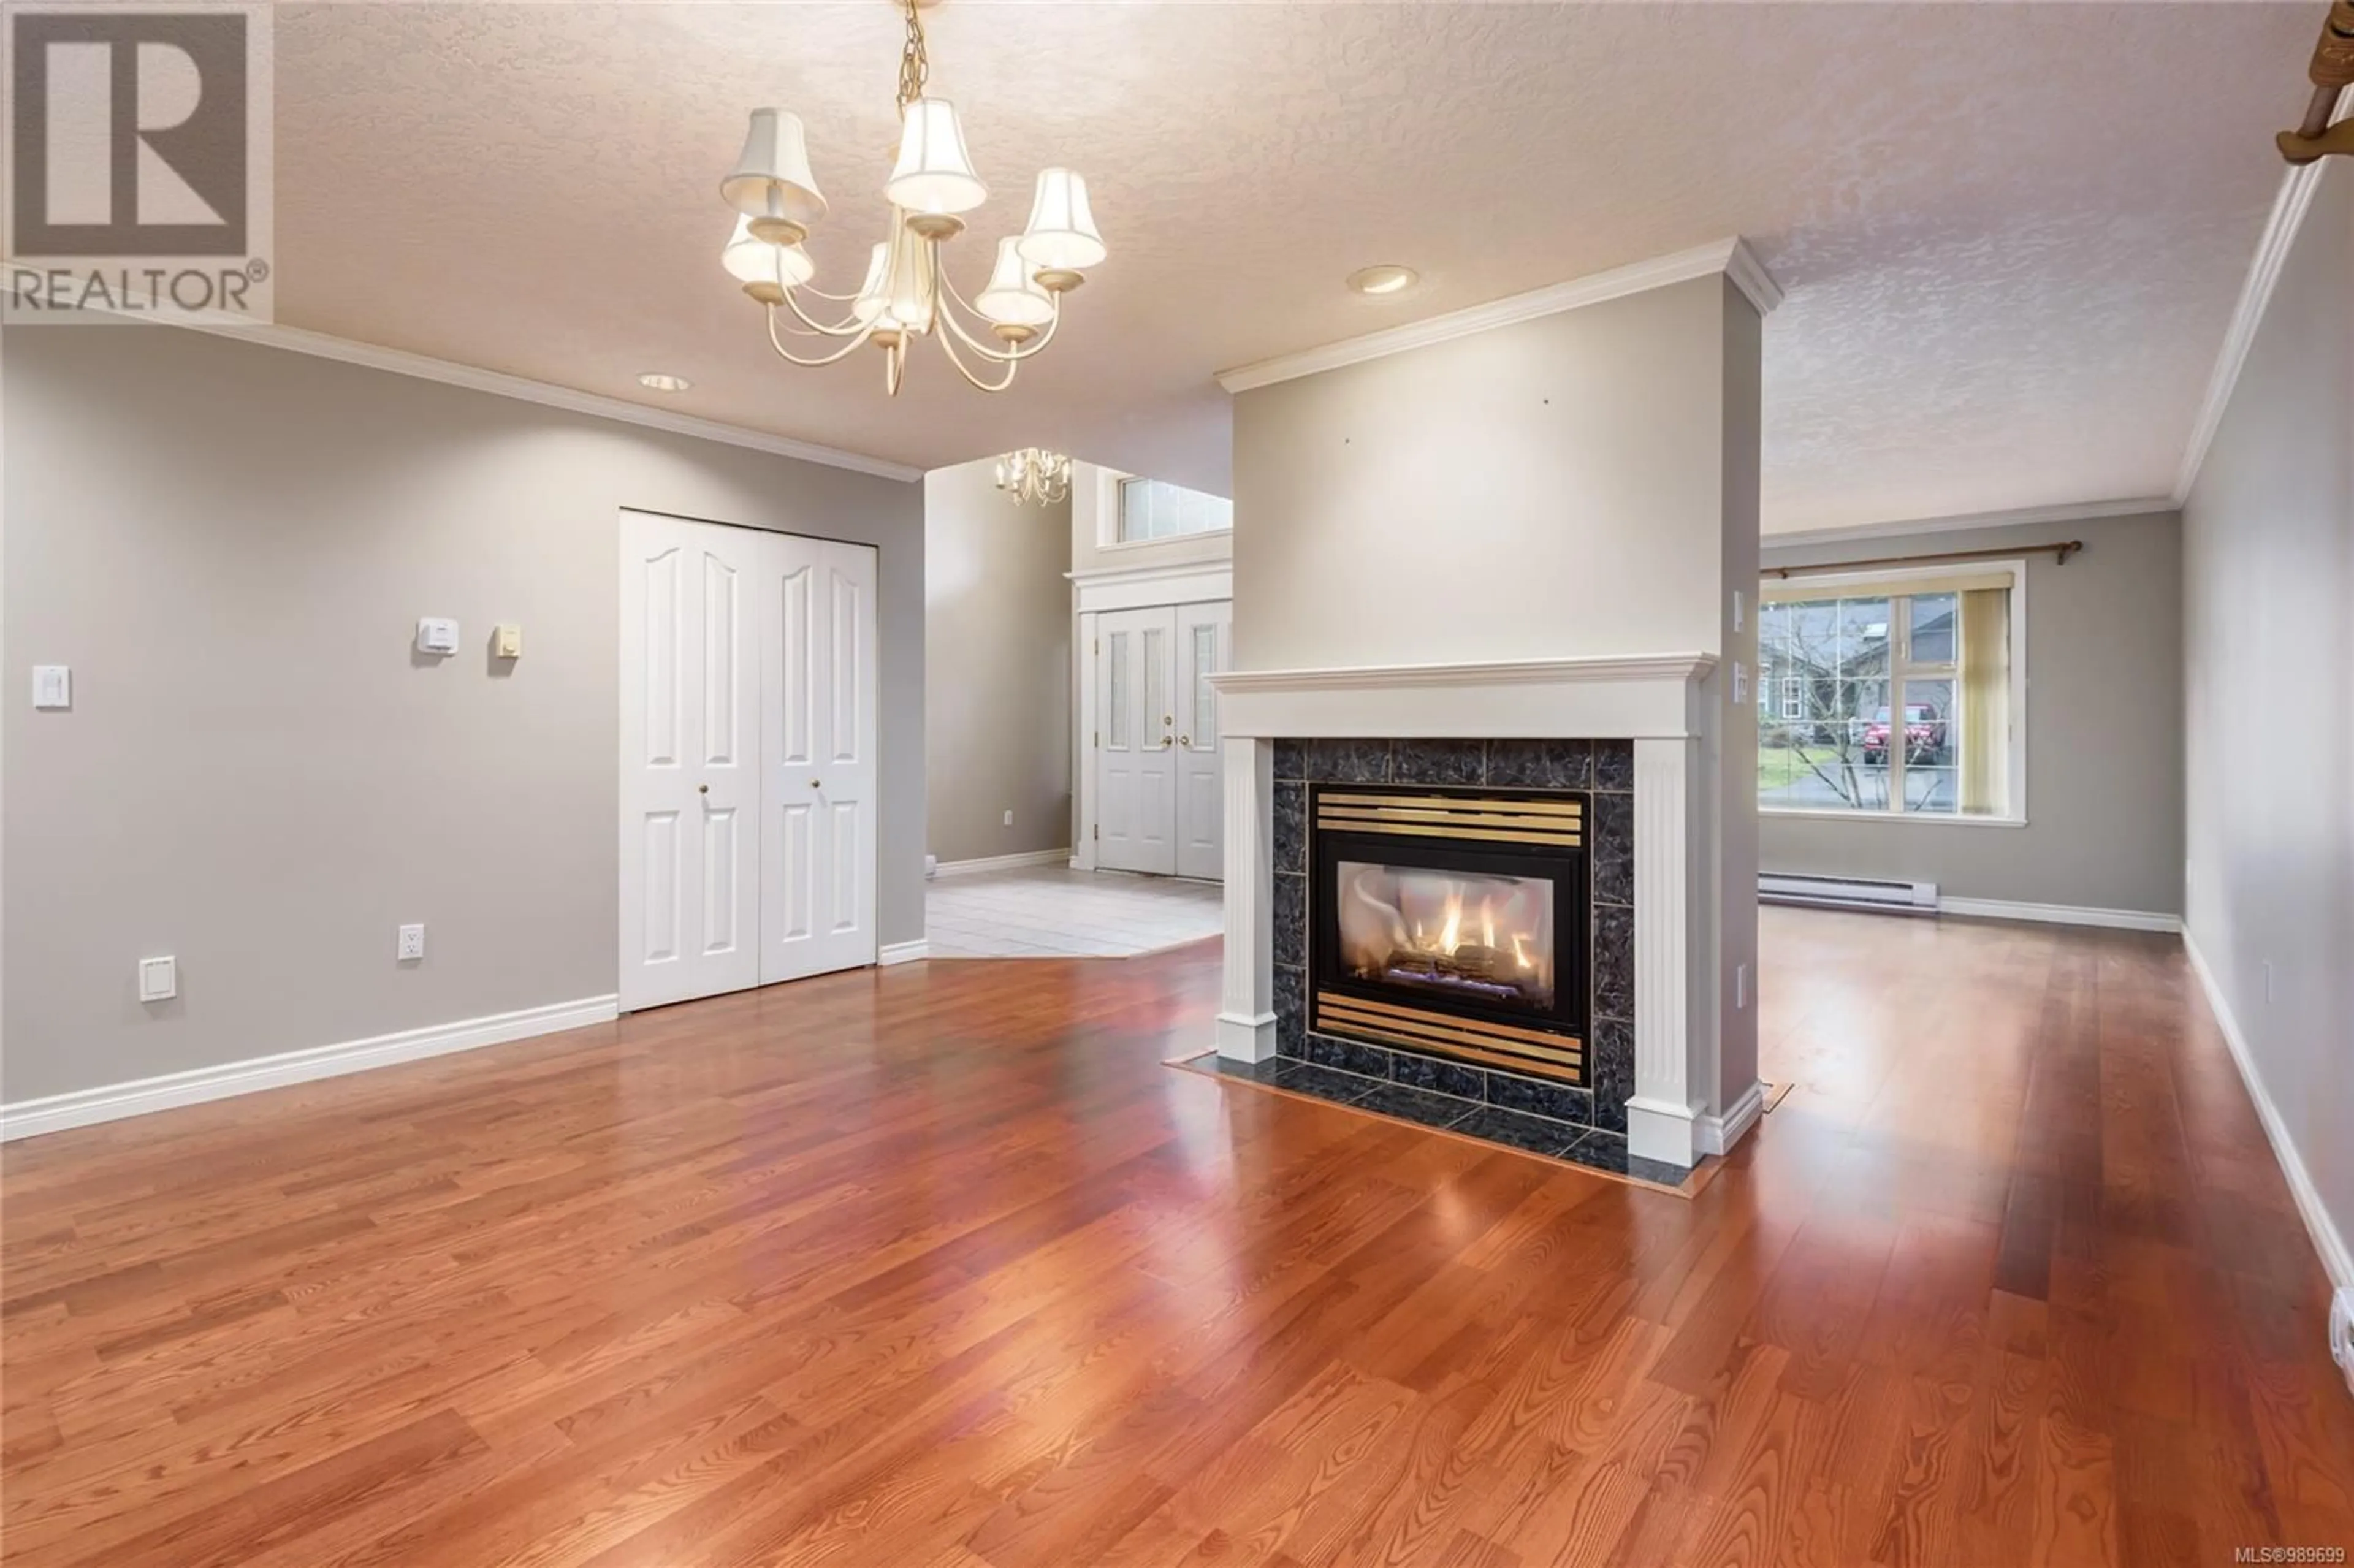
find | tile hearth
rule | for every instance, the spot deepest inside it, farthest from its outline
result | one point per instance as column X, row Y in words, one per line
column 1590, row 1147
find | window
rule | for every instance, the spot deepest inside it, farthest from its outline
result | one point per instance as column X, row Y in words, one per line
column 1155, row 509
column 1892, row 696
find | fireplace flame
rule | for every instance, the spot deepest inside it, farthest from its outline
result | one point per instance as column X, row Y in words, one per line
column 1483, row 934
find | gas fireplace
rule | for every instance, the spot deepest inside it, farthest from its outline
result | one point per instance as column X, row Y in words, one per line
column 1452, row 921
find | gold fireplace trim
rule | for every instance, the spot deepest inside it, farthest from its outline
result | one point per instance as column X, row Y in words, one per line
column 1561, row 1056
column 1499, row 818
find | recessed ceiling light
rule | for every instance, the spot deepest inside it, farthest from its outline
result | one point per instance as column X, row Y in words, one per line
column 655, row 381
column 1386, row 278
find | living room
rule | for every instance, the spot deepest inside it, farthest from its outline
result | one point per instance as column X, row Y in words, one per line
column 1471, row 785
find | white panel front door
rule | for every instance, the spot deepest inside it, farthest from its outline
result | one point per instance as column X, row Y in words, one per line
column 1205, row 646
column 818, row 682
column 1136, row 806
column 748, row 757
column 690, row 784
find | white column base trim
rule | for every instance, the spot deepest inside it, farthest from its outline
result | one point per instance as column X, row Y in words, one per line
column 891, row 953
column 2060, row 914
column 2335, row 1258
column 1246, row 1039
column 1718, row 1134
column 112, row 1102
column 1002, row 861
column 1663, row 1130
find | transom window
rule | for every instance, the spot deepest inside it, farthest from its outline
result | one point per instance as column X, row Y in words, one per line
column 1156, row 509
column 1899, row 697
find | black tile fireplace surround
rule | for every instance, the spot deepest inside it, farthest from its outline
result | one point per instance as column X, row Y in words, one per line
column 1584, row 1122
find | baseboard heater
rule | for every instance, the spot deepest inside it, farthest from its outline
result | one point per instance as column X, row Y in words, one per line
column 1848, row 892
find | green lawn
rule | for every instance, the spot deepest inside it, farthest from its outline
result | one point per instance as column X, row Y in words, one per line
column 1779, row 767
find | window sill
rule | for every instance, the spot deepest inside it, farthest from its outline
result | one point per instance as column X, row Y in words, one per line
column 1922, row 817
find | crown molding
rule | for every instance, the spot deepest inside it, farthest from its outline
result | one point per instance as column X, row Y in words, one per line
column 498, row 384
column 2289, row 207
column 2016, row 517
column 1732, row 258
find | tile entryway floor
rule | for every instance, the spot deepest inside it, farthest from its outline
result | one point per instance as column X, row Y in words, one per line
column 1053, row 912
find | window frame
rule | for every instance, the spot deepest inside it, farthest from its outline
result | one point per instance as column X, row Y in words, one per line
column 1864, row 584
column 1111, row 513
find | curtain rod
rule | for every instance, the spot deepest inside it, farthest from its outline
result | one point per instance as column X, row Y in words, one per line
column 2060, row 554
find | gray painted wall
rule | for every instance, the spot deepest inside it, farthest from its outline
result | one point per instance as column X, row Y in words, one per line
column 997, row 661
column 2269, row 652
column 230, row 545
column 1543, row 490
column 2104, row 734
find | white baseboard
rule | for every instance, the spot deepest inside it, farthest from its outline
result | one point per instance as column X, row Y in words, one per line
column 891, row 953
column 2060, row 914
column 111, row 1102
column 2335, row 1258
column 1718, row 1134
column 1000, row 863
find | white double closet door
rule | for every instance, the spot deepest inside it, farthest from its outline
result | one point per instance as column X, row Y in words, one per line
column 1160, row 806
column 748, row 757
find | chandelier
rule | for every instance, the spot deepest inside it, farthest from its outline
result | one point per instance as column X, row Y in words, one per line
column 907, row 293
column 1034, row 475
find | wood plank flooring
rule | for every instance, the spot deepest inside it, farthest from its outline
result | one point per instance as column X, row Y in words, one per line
column 937, row 1267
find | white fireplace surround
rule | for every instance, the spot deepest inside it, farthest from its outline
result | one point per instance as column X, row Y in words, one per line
column 1656, row 701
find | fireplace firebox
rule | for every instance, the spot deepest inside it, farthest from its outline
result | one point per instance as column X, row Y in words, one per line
column 1452, row 921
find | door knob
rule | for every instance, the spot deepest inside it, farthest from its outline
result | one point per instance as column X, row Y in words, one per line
column 817, row 784
column 1184, row 740
column 703, row 788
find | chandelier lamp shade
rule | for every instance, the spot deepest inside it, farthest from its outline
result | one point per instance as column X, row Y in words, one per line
column 1034, row 476
column 907, row 293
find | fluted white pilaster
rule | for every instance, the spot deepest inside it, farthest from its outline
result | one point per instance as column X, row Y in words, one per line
column 1661, row 1117
column 1245, row 1012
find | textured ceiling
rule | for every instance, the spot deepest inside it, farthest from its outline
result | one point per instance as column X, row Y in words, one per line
column 2012, row 234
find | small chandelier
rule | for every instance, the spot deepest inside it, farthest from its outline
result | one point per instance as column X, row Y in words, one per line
column 908, row 292
column 1034, row 475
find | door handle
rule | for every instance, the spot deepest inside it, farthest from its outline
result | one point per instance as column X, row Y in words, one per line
column 817, row 783
column 703, row 788
column 1184, row 740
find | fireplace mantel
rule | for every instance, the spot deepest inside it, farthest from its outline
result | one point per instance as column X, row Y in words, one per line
column 1662, row 702
column 1648, row 695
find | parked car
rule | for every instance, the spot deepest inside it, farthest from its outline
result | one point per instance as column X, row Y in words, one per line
column 1924, row 734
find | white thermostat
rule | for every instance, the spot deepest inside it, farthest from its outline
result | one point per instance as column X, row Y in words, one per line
column 435, row 635
column 159, row 979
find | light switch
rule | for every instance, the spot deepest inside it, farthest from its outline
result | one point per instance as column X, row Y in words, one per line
column 1740, row 683
column 52, row 687
column 506, row 642
column 1738, row 607
column 159, row 979
column 435, row 635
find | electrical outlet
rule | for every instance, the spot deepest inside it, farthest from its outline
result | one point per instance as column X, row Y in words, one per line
column 412, row 944
column 1009, row 819
column 159, row 979
column 2341, row 1334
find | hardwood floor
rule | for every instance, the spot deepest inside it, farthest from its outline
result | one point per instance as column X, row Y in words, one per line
column 937, row 1267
